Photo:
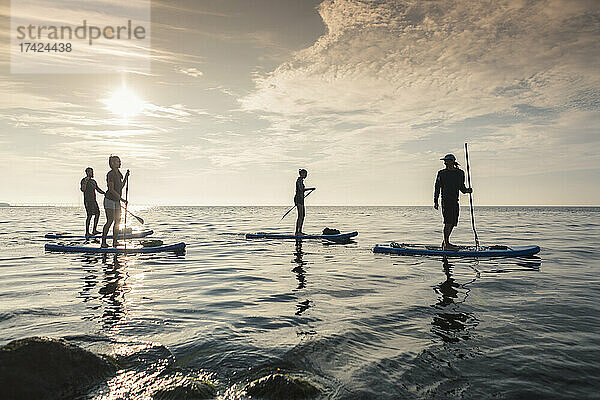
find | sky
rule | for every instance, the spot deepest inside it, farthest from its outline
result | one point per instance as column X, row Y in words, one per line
column 367, row 95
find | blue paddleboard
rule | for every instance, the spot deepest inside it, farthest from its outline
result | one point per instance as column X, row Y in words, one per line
column 67, row 235
column 492, row 251
column 130, row 249
column 263, row 235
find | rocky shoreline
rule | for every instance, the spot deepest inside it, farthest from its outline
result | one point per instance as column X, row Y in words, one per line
column 47, row 368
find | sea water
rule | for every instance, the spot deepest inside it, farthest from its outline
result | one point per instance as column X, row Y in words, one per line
column 358, row 325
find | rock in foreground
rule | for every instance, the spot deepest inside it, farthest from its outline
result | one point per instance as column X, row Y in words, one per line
column 46, row 368
column 180, row 387
column 280, row 386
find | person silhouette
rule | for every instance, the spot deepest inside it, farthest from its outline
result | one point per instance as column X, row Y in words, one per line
column 89, row 186
column 449, row 182
column 299, row 200
column 112, row 199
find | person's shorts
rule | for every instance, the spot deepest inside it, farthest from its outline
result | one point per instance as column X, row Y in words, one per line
column 111, row 204
column 91, row 208
column 299, row 200
column 450, row 212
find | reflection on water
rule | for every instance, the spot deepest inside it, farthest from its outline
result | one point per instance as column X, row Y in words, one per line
column 451, row 324
column 532, row 263
column 111, row 289
column 299, row 269
column 300, row 272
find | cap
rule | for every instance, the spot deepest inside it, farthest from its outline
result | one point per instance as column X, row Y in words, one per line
column 449, row 157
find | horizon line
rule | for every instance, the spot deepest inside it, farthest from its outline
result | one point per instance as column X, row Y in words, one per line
column 287, row 205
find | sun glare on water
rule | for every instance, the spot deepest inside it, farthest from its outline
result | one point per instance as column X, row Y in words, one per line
column 124, row 103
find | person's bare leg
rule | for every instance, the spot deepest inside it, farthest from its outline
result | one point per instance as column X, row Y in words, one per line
column 109, row 220
column 447, row 232
column 300, row 220
column 87, row 225
column 96, row 219
column 117, row 217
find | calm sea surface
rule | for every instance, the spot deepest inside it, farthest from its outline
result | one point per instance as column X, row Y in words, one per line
column 357, row 324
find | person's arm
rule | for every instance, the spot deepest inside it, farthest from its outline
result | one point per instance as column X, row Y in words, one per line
column 307, row 189
column 436, row 193
column 98, row 189
column 463, row 188
column 84, row 182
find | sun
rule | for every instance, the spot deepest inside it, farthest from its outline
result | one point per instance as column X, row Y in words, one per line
column 125, row 103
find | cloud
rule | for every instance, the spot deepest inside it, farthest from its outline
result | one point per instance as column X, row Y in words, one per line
column 401, row 71
column 193, row 72
column 170, row 6
column 177, row 112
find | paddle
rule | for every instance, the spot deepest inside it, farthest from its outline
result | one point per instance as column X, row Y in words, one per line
column 126, row 203
column 140, row 220
column 290, row 210
column 126, row 200
column 471, row 199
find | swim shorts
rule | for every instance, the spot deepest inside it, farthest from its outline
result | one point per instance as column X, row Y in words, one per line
column 450, row 211
column 91, row 208
column 111, row 204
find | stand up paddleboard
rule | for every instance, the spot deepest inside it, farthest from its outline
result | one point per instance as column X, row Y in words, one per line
column 130, row 249
column 129, row 235
column 489, row 251
column 338, row 237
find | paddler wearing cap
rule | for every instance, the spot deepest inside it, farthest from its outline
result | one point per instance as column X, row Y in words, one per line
column 449, row 181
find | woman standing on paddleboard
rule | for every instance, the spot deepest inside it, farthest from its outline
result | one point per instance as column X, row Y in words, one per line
column 112, row 199
column 299, row 200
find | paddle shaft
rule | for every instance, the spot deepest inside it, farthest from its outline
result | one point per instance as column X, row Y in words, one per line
column 290, row 210
column 126, row 203
column 471, row 198
column 126, row 200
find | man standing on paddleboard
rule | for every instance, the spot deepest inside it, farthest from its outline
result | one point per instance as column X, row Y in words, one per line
column 112, row 199
column 299, row 200
column 449, row 181
column 89, row 188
